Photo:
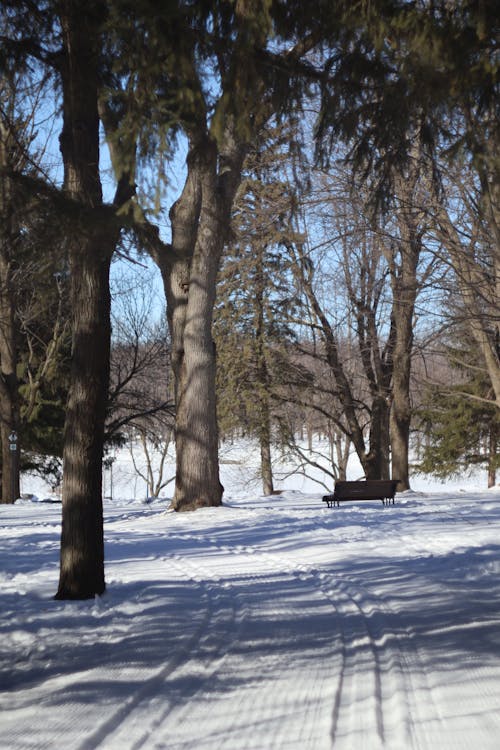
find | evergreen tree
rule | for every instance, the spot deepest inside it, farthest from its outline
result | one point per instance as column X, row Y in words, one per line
column 256, row 304
column 44, row 360
column 460, row 422
column 33, row 301
column 411, row 67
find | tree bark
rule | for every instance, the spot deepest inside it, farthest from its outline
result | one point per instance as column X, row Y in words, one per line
column 262, row 392
column 82, row 540
column 197, row 473
column 376, row 462
column 404, row 297
column 91, row 247
column 9, row 400
column 492, row 454
column 264, row 423
column 400, row 417
column 266, row 466
column 342, row 444
column 404, row 283
column 200, row 224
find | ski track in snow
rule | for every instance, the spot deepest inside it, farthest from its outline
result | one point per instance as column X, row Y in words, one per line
column 222, row 638
column 207, row 648
column 282, row 642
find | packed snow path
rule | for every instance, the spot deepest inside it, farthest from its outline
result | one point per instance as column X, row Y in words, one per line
column 268, row 623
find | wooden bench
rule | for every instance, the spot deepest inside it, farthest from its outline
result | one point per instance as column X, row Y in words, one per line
column 369, row 489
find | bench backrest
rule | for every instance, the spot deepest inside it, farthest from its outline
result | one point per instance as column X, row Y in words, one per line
column 366, row 490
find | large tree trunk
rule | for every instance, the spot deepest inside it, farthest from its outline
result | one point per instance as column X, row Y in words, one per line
column 197, row 473
column 189, row 279
column 405, row 291
column 401, row 406
column 82, row 549
column 266, row 466
column 200, row 224
column 492, row 454
column 9, row 401
column 375, row 463
column 404, row 284
column 82, row 543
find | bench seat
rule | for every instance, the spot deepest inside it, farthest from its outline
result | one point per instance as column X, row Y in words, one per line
column 369, row 489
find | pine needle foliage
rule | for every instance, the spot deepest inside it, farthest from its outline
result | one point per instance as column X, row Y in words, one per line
column 256, row 302
column 398, row 69
column 461, row 423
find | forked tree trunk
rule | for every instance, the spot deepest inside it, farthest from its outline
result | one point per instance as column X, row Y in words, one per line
column 200, row 224
column 197, row 472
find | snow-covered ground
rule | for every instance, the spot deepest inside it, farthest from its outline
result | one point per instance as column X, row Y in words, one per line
column 272, row 622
